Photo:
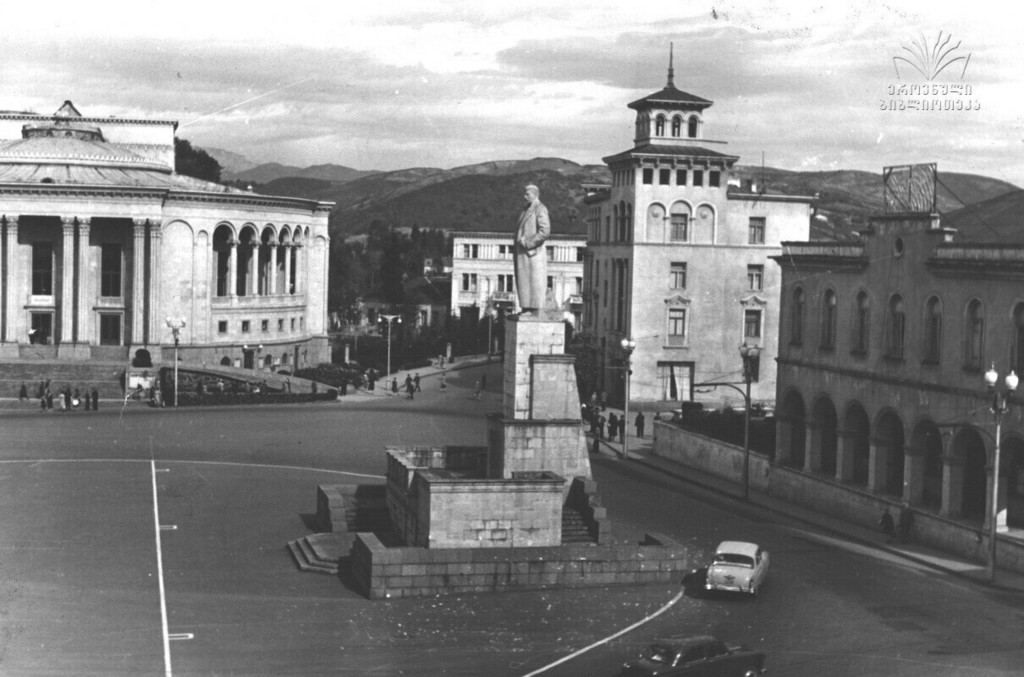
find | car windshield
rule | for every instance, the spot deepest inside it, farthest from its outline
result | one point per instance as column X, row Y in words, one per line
column 733, row 559
column 661, row 654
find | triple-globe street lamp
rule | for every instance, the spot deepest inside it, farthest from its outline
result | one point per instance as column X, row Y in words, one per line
column 176, row 325
column 1000, row 405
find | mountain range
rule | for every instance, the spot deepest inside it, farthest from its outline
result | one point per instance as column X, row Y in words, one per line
column 486, row 196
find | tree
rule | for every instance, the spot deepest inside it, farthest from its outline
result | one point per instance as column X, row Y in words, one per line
column 195, row 162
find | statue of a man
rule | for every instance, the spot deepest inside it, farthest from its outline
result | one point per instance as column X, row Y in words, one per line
column 530, row 256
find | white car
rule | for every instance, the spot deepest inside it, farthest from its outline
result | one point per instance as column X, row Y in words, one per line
column 737, row 566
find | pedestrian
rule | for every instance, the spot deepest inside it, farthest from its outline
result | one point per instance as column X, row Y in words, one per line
column 622, row 429
column 23, row 393
column 604, row 399
column 444, row 382
column 42, row 399
column 888, row 526
column 49, row 399
column 597, row 444
column 95, row 399
column 41, row 390
column 905, row 522
column 416, row 380
column 344, row 385
column 476, row 396
column 76, row 399
column 394, row 386
column 600, row 426
column 410, row 388
column 640, row 424
column 67, row 398
column 85, row 399
column 371, row 380
column 613, row 426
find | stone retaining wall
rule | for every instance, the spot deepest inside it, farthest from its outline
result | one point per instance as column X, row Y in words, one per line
column 381, row 572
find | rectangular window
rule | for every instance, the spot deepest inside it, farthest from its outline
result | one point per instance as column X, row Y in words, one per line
column 264, row 325
column 604, row 294
column 293, row 324
column 469, row 282
column 110, row 329
column 755, row 277
column 676, row 379
column 676, row 326
column 302, row 322
column 550, row 253
column 465, row 251
column 698, row 177
column 505, row 283
column 280, row 324
column 677, row 276
column 551, row 282
column 245, row 326
column 577, row 286
column 714, row 179
column 757, row 224
column 470, row 251
column 648, row 176
column 680, row 177
column 110, row 270
column 579, row 253
column 680, row 227
column 42, row 268
column 664, row 176
column 222, row 327
column 504, row 251
column 752, row 324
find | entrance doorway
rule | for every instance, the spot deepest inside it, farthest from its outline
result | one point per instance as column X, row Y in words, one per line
column 42, row 328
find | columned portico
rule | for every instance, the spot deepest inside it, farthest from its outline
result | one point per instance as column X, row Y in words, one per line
column 913, row 474
column 952, row 484
column 153, row 295
column 845, row 455
column 877, row 463
column 12, row 310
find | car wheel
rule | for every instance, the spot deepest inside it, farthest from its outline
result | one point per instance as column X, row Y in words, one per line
column 752, row 671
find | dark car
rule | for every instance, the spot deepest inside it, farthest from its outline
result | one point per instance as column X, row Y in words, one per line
column 701, row 655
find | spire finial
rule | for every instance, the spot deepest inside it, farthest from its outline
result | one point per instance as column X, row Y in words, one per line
column 671, row 72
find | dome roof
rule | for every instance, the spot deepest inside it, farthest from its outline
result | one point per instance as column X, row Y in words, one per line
column 60, row 150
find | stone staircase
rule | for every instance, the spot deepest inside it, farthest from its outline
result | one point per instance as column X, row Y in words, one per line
column 574, row 527
column 321, row 553
column 106, row 377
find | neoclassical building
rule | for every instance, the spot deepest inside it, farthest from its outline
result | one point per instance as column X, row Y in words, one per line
column 103, row 243
column 678, row 259
column 885, row 342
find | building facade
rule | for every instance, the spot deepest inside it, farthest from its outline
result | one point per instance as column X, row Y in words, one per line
column 483, row 274
column 885, row 342
column 679, row 260
column 104, row 246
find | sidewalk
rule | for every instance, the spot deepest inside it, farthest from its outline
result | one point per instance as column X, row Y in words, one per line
column 641, row 452
column 382, row 388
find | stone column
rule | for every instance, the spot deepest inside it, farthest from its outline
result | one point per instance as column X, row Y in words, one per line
column 846, row 452
column 10, row 300
column 153, row 293
column 952, row 484
column 812, row 447
column 300, row 267
column 288, row 248
column 253, row 286
column 913, row 474
column 138, row 281
column 67, row 281
column 272, row 276
column 877, row 462
column 233, row 269
column 86, row 280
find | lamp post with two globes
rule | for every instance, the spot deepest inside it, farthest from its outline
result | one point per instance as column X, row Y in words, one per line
column 1000, row 405
column 389, row 319
column 628, row 345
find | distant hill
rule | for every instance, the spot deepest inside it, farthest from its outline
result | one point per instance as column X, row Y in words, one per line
column 996, row 219
column 484, row 196
column 230, row 162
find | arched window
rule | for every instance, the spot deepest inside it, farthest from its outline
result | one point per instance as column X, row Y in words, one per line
column 679, row 228
column 796, row 321
column 691, row 127
column 897, row 329
column 677, row 125
column 974, row 335
column 828, row 320
column 862, row 324
column 933, row 330
column 1017, row 358
column 659, row 125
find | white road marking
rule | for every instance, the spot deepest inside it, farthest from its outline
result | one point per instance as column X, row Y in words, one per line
column 609, row 638
column 271, row 466
column 160, row 575
column 168, row 527
column 181, row 635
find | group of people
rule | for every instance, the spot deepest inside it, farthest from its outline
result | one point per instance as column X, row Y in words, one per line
column 899, row 527
column 64, row 399
column 412, row 386
column 616, row 425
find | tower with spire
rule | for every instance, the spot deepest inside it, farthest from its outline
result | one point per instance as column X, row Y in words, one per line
column 678, row 259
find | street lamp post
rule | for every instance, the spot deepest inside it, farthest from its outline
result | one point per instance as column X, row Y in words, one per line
column 176, row 325
column 389, row 319
column 749, row 354
column 628, row 345
column 491, row 313
column 1000, row 405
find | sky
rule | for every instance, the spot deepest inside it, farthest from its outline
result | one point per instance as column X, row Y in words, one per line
column 393, row 84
